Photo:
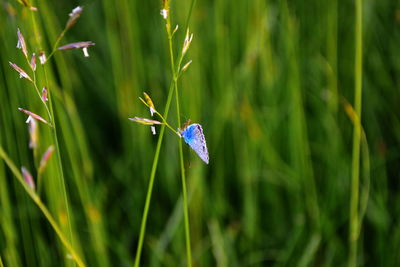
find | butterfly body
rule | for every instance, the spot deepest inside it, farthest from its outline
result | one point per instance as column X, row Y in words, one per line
column 194, row 137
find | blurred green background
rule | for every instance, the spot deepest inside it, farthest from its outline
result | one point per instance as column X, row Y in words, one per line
column 270, row 83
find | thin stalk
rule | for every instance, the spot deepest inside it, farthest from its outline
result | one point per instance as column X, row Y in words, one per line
column 184, row 192
column 183, row 176
column 39, row 183
column 1, row 262
column 355, row 174
column 155, row 160
column 40, row 97
column 42, row 207
column 54, row 131
column 166, row 123
column 35, row 84
column 56, row 43
column 151, row 181
column 57, row 148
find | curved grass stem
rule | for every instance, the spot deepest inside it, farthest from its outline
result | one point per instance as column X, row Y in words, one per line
column 56, row 44
column 166, row 123
column 42, row 208
column 151, row 181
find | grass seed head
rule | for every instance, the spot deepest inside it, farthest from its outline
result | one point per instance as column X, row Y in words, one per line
column 184, row 68
column 42, row 57
column 33, row 62
column 21, row 43
column 144, row 121
column 176, row 28
column 33, row 133
column 74, row 16
column 165, row 9
column 22, row 73
column 44, row 95
column 187, row 42
column 28, row 178
column 79, row 45
column 34, row 116
column 150, row 103
column 45, row 158
column 164, row 13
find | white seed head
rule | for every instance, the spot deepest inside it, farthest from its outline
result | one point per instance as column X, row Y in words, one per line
column 29, row 119
column 74, row 16
column 42, row 57
column 152, row 111
column 76, row 11
column 85, row 52
column 187, row 42
column 164, row 13
column 186, row 65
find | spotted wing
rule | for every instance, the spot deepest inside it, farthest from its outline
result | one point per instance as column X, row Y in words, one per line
column 194, row 137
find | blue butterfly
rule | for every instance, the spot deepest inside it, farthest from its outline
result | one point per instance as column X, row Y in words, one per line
column 194, row 137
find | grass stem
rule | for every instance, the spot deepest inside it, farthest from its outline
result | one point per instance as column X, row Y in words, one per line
column 56, row 43
column 151, row 181
column 50, row 111
column 42, row 207
column 355, row 173
column 166, row 123
column 181, row 161
column 157, row 153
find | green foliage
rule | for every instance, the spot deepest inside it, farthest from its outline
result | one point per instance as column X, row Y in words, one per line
column 273, row 85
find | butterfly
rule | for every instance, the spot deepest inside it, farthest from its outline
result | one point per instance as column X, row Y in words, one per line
column 194, row 137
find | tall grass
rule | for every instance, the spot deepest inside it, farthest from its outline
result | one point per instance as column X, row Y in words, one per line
column 355, row 173
column 295, row 170
column 176, row 71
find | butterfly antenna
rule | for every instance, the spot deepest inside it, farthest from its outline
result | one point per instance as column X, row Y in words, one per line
column 187, row 121
column 186, row 124
column 184, row 117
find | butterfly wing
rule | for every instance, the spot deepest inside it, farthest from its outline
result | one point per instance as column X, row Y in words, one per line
column 194, row 137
